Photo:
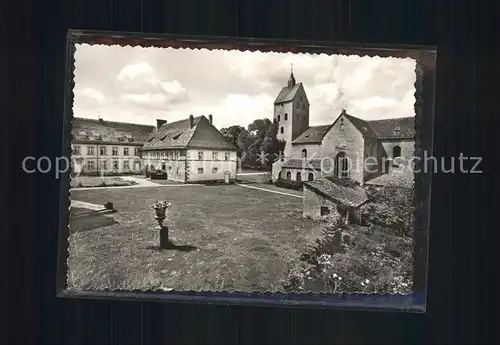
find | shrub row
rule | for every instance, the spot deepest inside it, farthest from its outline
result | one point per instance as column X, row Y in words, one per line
column 289, row 184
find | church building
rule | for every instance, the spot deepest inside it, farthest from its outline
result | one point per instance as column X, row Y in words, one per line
column 369, row 152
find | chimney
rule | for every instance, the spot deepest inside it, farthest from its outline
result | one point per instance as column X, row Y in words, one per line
column 191, row 121
column 160, row 123
column 210, row 118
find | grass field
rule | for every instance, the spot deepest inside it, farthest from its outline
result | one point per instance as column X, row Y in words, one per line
column 229, row 237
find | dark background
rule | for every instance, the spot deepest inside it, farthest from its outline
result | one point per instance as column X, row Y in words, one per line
column 458, row 309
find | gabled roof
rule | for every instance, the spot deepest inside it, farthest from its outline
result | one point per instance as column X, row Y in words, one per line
column 109, row 131
column 287, row 93
column 179, row 135
column 312, row 135
column 398, row 128
column 339, row 190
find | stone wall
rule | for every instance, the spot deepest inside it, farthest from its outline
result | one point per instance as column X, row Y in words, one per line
column 313, row 151
column 351, row 142
column 313, row 202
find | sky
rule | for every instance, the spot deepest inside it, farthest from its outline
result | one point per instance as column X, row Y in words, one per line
column 140, row 85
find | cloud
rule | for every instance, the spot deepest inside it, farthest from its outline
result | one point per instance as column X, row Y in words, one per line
column 142, row 86
column 88, row 98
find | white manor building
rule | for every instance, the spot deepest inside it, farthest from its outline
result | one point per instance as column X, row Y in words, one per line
column 107, row 147
column 190, row 150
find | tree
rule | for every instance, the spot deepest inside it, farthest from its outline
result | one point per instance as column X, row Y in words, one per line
column 232, row 133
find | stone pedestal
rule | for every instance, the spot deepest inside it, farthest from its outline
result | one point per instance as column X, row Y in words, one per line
column 164, row 242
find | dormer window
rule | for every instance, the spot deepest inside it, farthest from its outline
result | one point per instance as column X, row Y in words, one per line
column 397, row 130
column 177, row 136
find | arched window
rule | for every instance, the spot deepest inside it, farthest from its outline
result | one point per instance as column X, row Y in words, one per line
column 289, row 175
column 396, row 151
column 341, row 168
column 282, row 130
column 279, row 118
column 286, row 116
column 304, row 153
column 310, row 177
column 299, row 177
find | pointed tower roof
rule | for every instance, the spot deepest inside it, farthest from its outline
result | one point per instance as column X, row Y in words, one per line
column 291, row 80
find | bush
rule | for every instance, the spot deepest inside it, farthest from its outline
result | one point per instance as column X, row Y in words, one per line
column 289, row 184
column 108, row 205
column 390, row 207
column 348, row 258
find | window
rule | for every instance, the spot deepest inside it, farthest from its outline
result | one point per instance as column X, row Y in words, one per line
column 215, row 170
column 115, row 164
column 341, row 167
column 215, row 156
column 226, row 156
column 136, row 151
column 200, row 170
column 200, row 156
column 396, row 151
column 163, row 166
column 125, row 151
column 324, row 210
column 279, row 118
column 176, row 154
column 76, row 150
column 90, row 150
column 289, row 175
column 304, row 153
column 103, row 151
column 90, row 165
column 298, row 177
column 104, row 165
column 342, row 125
column 178, row 171
column 286, row 116
column 310, row 177
column 282, row 130
column 114, row 151
column 125, row 165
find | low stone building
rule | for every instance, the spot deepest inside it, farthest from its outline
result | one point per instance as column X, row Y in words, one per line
column 334, row 195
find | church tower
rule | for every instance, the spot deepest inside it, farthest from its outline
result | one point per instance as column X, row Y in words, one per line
column 291, row 112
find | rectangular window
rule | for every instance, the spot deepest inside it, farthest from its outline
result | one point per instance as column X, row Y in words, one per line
column 215, row 156
column 200, row 170
column 115, row 164
column 200, row 156
column 125, row 151
column 125, row 165
column 136, row 151
column 103, row 151
column 226, row 156
column 215, row 170
column 115, row 151
column 90, row 165
column 104, row 165
column 76, row 150
column 90, row 150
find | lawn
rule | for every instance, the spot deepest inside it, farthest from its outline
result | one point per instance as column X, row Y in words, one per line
column 243, row 239
column 99, row 181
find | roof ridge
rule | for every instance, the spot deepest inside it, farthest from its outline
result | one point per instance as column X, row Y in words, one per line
column 178, row 121
column 107, row 121
column 194, row 131
column 394, row 118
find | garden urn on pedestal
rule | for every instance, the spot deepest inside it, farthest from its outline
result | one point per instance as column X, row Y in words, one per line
column 161, row 208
